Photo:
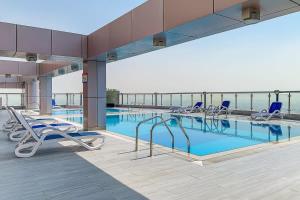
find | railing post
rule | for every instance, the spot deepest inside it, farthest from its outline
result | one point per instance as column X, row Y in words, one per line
column 73, row 99
column 6, row 98
column 269, row 98
column 152, row 99
column 161, row 99
column 67, row 99
column 134, row 99
column 80, row 101
column 277, row 94
column 144, row 99
column 192, row 99
column 289, row 103
column 171, row 99
column 211, row 98
column 222, row 97
column 251, row 101
column 204, row 100
column 180, row 99
column 155, row 99
column 236, row 99
column 22, row 100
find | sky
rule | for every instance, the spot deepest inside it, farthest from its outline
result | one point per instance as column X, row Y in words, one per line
column 264, row 56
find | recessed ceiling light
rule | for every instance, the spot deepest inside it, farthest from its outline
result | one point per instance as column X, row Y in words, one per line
column 251, row 15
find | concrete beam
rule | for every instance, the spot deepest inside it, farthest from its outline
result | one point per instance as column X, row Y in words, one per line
column 175, row 22
column 19, row 68
column 19, row 40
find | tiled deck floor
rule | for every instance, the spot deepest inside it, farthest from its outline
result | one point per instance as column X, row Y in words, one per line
column 66, row 173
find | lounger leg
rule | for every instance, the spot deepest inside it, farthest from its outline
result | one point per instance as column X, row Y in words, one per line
column 31, row 147
column 87, row 144
column 17, row 135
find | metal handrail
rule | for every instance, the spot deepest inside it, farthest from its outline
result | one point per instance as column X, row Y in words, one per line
column 165, row 122
column 146, row 120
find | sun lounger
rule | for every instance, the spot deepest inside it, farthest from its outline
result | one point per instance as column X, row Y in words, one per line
column 273, row 111
column 33, row 139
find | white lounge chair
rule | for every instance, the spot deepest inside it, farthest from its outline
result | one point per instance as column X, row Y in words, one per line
column 33, row 139
column 17, row 133
column 196, row 108
column 218, row 110
column 265, row 115
column 12, row 123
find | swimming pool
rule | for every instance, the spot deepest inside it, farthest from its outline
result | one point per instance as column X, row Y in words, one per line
column 206, row 136
column 80, row 111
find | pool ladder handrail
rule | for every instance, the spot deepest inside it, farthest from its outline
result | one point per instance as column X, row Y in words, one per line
column 149, row 119
column 165, row 122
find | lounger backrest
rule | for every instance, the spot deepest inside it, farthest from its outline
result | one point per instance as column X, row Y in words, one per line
column 198, row 104
column 226, row 104
column 53, row 102
column 13, row 113
column 225, row 123
column 8, row 109
column 275, row 106
column 199, row 119
column 25, row 124
column 275, row 129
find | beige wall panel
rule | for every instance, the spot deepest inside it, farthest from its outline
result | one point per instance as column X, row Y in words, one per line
column 98, row 42
column 66, row 44
column 147, row 19
column 120, row 31
column 7, row 37
column 177, row 12
column 33, row 40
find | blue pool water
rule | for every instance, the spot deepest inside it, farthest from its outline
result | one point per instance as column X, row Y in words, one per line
column 207, row 137
column 79, row 111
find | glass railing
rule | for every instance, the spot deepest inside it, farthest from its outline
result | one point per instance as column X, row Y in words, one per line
column 244, row 101
column 68, row 99
column 12, row 99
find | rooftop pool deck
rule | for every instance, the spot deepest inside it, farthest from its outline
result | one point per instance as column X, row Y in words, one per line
column 66, row 171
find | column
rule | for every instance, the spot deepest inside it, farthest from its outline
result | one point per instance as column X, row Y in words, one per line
column 45, row 95
column 94, row 95
column 31, row 94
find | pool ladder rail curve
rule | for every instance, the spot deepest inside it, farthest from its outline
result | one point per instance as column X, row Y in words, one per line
column 164, row 122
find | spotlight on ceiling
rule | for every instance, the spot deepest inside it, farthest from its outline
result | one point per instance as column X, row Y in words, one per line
column 251, row 15
column 74, row 67
column 159, row 41
column 61, row 71
column 31, row 57
column 112, row 56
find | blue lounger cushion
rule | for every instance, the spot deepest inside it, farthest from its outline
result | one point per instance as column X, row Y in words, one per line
column 275, row 106
column 60, row 124
column 34, row 127
column 226, row 104
column 43, row 126
column 44, row 119
column 76, row 134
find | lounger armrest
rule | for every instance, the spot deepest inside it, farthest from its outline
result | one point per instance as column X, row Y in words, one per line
column 223, row 108
column 211, row 107
column 48, row 130
column 34, row 122
column 264, row 111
